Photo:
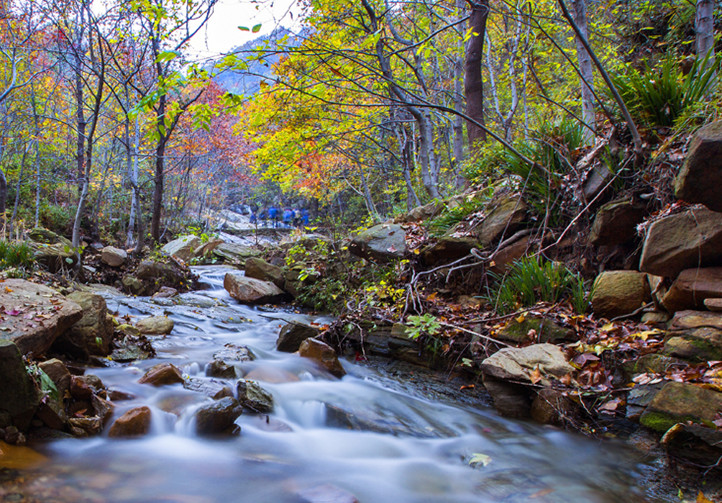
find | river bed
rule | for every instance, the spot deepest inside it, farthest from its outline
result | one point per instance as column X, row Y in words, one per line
column 366, row 435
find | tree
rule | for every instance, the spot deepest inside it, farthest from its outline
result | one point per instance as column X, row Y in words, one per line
column 474, row 82
column 586, row 70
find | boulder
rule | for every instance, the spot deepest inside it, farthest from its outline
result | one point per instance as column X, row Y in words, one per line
column 503, row 219
column 617, row 293
column 207, row 248
column 219, row 368
column 447, row 249
column 165, row 292
column 161, row 374
column 235, row 353
column 323, row 354
column 424, row 212
column 235, row 254
column 616, row 222
column 520, row 364
column 597, row 179
column 680, row 403
column 293, row 334
column 682, row 241
column 695, row 319
column 155, row 325
column 517, row 247
column 260, row 269
column 33, row 316
column 700, row 177
column 509, row 399
column 691, row 442
column 692, row 287
column 698, row 345
column 252, row 291
column 91, row 334
column 52, row 250
column 253, row 397
column 19, row 396
column 133, row 423
column 551, row 406
column 526, row 329
column 383, row 242
column 112, row 256
column 182, row 248
column 218, row 417
column 155, row 275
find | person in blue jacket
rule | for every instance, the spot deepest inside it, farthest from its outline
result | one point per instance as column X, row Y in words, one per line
column 273, row 216
column 304, row 217
column 287, row 217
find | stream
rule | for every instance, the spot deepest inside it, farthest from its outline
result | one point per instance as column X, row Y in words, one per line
column 404, row 447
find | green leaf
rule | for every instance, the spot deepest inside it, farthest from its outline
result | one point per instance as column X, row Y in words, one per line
column 243, row 28
column 166, row 56
column 479, row 459
column 256, row 28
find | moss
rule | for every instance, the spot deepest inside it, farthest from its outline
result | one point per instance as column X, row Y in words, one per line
column 661, row 422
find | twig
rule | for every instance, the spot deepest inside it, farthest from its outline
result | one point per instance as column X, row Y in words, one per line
column 487, row 337
column 633, row 313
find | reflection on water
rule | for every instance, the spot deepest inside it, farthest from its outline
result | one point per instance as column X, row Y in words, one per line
column 326, row 437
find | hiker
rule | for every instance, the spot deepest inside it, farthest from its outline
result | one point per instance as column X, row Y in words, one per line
column 273, row 216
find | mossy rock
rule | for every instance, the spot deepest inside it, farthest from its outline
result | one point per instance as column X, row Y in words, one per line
column 681, row 403
column 518, row 331
column 702, row 344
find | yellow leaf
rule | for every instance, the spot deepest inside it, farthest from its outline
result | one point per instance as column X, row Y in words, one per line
column 608, row 327
column 701, row 498
column 535, row 376
column 520, row 318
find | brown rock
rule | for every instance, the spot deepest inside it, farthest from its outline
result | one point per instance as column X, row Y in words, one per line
column 251, row 291
column 695, row 319
column 616, row 223
column 617, row 293
column 135, row 422
column 700, row 178
column 162, row 374
column 505, row 216
column 692, row 287
column 114, row 257
column 155, row 325
column 551, row 406
column 713, row 304
column 323, row 354
column 293, row 334
column 516, row 249
column 58, row 373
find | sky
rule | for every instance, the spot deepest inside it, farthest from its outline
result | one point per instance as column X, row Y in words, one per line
column 222, row 34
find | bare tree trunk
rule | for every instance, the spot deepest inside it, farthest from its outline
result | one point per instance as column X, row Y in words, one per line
column 18, row 187
column 704, row 28
column 368, row 198
column 586, row 70
column 474, row 83
column 132, row 165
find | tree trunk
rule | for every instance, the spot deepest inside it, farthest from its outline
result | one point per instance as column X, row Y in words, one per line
column 3, row 198
column 586, row 70
column 158, row 190
column 704, row 28
column 474, row 83
column 458, row 127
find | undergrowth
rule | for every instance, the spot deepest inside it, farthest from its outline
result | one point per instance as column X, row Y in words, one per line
column 16, row 255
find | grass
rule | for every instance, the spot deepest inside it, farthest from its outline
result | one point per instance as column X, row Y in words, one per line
column 16, row 255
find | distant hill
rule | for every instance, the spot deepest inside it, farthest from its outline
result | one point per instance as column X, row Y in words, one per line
column 248, row 82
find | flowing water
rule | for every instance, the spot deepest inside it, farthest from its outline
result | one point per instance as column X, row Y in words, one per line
column 404, row 448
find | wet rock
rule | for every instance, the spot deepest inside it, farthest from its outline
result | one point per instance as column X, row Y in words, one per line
column 534, row 329
column 692, row 287
column 208, row 387
column 52, row 250
column 656, row 318
column 616, row 223
column 205, row 250
column 80, row 389
column 699, row 345
column 52, row 413
column 323, row 354
column 235, row 353
column 19, row 395
column 182, row 248
column 447, row 249
column 162, row 374
column 617, row 293
column 165, row 292
column 679, row 403
column 509, row 399
column 253, row 397
column 293, row 334
column 153, row 275
column 381, row 242
column 326, row 493
column 85, row 426
column 518, row 364
column 271, row 374
column 155, row 325
column 694, row 443
column 695, row 319
column 235, row 254
column 252, row 291
column 51, row 315
column 682, row 241
column 219, row 368
column 129, row 345
column 218, row 417
column 114, row 257
column 58, row 373
column 640, row 397
column 260, row 269
column 505, row 216
column 91, row 334
column 700, row 177
column 134, row 423
column 551, row 406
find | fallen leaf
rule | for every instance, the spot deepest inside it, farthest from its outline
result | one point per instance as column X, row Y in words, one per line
column 535, row 376
column 701, row 498
column 479, row 459
column 541, row 493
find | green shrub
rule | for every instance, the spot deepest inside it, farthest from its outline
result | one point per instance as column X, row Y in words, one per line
column 452, row 215
column 531, row 280
column 58, row 219
column 658, row 96
column 16, row 255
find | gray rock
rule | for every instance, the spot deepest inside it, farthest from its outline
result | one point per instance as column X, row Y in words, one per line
column 518, row 364
column 183, row 247
column 534, row 329
column 698, row 345
column 114, row 257
column 235, row 353
column 293, row 334
column 34, row 315
column 685, row 240
column 679, row 403
column 208, row 387
column 381, row 242
column 700, row 178
column 155, row 325
column 505, row 216
column 52, row 250
column 234, row 253
column 260, row 269
column 252, row 291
